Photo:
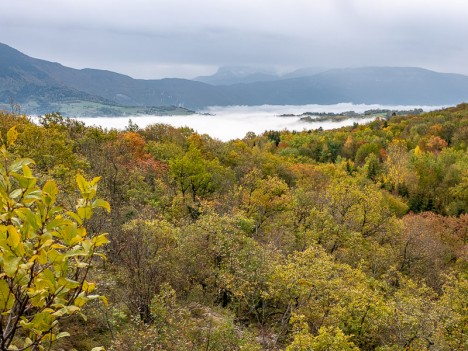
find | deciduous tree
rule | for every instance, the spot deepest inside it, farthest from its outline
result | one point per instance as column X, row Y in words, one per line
column 45, row 254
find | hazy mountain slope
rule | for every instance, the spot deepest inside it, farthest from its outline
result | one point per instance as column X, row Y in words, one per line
column 37, row 82
column 128, row 91
column 23, row 79
column 21, row 75
column 230, row 75
column 304, row 72
column 380, row 85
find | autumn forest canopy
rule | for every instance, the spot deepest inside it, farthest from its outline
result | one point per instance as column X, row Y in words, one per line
column 348, row 239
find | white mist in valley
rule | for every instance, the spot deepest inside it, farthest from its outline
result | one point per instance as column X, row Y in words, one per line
column 234, row 122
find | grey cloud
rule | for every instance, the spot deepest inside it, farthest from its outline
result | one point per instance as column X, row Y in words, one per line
column 200, row 35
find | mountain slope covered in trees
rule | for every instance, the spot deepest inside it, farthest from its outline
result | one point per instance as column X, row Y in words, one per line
column 348, row 239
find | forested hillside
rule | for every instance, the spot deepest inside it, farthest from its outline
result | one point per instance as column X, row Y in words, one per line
column 349, row 239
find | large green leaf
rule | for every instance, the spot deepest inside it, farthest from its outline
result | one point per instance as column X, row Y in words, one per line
column 100, row 240
column 16, row 193
column 62, row 335
column 101, row 203
column 10, row 264
column 83, row 185
column 42, row 321
column 49, row 192
column 6, row 297
column 18, row 164
column 24, row 181
column 85, row 212
column 14, row 238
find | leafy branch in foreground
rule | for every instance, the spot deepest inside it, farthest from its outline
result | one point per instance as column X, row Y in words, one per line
column 45, row 254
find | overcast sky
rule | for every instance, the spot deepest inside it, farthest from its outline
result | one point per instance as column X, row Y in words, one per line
column 187, row 38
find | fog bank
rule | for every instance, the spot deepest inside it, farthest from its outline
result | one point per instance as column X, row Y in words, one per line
column 234, row 122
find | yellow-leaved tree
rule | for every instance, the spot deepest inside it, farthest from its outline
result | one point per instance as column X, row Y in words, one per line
column 45, row 254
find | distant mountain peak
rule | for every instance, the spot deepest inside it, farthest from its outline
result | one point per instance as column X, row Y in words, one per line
column 242, row 71
column 38, row 83
column 229, row 75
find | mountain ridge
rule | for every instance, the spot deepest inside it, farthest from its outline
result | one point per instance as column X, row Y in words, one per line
column 230, row 75
column 38, row 83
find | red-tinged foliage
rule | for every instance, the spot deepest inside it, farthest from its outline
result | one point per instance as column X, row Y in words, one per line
column 432, row 244
column 382, row 154
column 129, row 151
column 435, row 144
column 135, row 143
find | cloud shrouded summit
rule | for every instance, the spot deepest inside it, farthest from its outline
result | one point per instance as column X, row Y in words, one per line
column 181, row 38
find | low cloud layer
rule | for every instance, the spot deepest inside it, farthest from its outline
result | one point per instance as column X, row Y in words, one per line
column 234, row 122
column 182, row 38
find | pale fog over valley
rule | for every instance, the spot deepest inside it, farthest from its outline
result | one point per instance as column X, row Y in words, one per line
column 234, row 122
